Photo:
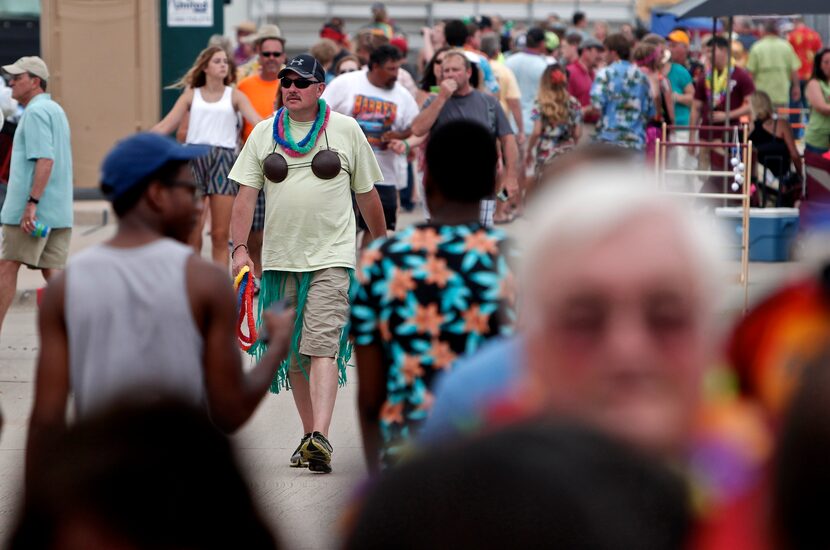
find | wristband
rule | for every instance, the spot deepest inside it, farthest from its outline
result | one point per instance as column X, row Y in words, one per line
column 235, row 248
column 406, row 144
column 33, row 200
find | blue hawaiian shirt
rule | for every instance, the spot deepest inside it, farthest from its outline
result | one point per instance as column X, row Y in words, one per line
column 427, row 296
column 622, row 95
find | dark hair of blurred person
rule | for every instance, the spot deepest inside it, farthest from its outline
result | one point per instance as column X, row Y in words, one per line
column 456, row 33
column 143, row 475
column 382, row 54
column 454, row 140
column 580, row 19
column 620, row 45
column 527, row 486
column 801, row 479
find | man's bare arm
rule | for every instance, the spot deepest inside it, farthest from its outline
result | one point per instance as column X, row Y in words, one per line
column 241, row 218
column 232, row 394
column 371, row 393
column 48, row 418
column 372, row 211
column 511, row 163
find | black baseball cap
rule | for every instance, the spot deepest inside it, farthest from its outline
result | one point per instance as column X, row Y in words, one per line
column 305, row 66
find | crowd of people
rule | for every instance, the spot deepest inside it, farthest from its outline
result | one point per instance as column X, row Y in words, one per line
column 573, row 371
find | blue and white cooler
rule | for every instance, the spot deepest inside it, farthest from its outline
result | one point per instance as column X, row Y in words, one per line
column 772, row 231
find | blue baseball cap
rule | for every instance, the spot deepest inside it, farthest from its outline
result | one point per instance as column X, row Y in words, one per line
column 136, row 157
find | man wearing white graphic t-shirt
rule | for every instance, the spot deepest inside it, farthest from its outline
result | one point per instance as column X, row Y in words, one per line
column 384, row 109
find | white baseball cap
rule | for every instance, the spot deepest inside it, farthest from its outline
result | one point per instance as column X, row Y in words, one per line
column 32, row 64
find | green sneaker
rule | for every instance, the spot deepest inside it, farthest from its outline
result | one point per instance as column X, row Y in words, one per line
column 297, row 460
column 317, row 452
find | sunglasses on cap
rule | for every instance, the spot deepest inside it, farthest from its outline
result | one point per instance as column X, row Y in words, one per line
column 301, row 83
column 271, row 54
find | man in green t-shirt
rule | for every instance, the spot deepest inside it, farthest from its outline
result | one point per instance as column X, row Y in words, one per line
column 308, row 160
column 774, row 66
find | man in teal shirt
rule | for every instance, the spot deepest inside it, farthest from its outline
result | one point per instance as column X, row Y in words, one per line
column 683, row 92
column 774, row 66
column 40, row 183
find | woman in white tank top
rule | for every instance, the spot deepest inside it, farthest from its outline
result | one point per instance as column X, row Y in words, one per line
column 213, row 106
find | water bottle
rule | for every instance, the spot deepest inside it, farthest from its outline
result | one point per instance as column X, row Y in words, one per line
column 40, row 230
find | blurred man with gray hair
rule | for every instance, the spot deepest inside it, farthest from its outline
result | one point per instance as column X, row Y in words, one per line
column 619, row 287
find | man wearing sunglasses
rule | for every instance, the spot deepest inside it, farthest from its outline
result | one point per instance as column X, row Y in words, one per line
column 308, row 160
column 141, row 313
column 261, row 89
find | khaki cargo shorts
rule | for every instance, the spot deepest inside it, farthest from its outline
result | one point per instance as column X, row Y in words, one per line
column 48, row 252
column 326, row 312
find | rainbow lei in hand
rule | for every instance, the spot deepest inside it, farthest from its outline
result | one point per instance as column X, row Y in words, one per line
column 244, row 286
column 282, row 133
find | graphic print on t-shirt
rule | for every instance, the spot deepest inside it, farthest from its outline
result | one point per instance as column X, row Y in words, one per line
column 375, row 117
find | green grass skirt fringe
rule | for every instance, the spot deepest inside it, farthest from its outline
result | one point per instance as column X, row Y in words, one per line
column 272, row 289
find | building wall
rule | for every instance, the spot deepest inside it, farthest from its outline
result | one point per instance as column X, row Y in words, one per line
column 103, row 58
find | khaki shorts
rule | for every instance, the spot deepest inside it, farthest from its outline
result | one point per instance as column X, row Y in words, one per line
column 48, row 252
column 325, row 315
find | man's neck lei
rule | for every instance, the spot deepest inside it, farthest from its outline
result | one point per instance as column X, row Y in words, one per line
column 282, row 131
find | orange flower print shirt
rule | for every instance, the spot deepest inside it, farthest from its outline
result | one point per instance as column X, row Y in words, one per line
column 427, row 296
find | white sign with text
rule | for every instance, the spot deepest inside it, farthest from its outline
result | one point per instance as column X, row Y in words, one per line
column 189, row 13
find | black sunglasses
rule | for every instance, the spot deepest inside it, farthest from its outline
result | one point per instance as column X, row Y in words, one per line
column 191, row 186
column 271, row 54
column 301, row 83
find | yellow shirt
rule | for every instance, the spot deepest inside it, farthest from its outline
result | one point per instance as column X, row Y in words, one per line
column 309, row 222
column 508, row 86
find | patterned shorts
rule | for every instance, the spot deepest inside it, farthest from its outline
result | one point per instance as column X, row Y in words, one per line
column 211, row 171
column 486, row 212
column 259, row 213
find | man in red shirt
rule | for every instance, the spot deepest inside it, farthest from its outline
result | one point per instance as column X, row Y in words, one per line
column 807, row 43
column 711, row 90
column 581, row 77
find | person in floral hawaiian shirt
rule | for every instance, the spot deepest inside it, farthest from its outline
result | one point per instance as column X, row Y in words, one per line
column 429, row 294
column 622, row 95
column 557, row 119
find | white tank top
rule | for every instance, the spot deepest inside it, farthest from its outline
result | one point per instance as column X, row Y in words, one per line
column 213, row 123
column 130, row 325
